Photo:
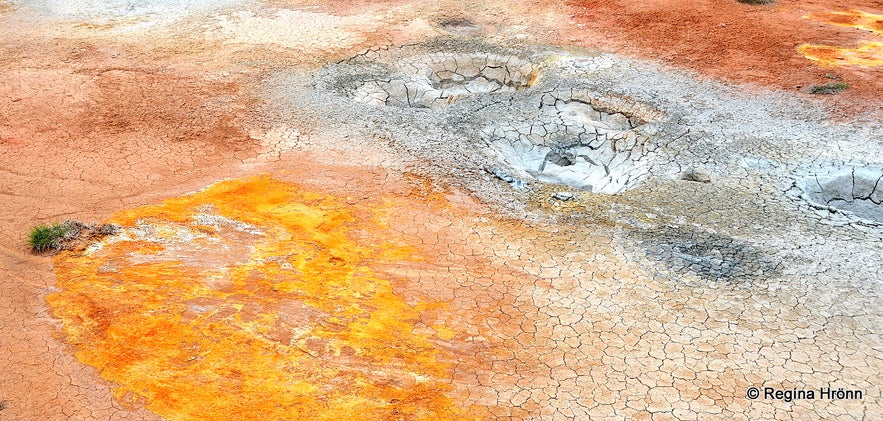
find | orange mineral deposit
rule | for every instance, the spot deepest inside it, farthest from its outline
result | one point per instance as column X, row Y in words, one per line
column 254, row 299
column 866, row 54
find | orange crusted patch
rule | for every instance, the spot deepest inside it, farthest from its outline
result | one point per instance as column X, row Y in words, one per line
column 295, row 323
column 867, row 54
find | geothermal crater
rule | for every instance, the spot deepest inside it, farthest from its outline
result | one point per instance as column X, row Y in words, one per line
column 580, row 140
column 439, row 79
column 542, row 122
column 857, row 192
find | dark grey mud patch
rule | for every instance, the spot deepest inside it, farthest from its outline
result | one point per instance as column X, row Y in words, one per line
column 855, row 192
column 460, row 26
column 709, row 256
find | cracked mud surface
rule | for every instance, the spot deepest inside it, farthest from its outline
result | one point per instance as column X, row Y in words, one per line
column 856, row 191
column 414, row 210
column 441, row 79
column 580, row 140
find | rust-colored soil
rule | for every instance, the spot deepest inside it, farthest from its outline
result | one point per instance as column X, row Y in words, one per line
column 87, row 128
column 734, row 41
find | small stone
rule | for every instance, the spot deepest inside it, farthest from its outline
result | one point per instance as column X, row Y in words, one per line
column 698, row 174
column 519, row 184
column 503, row 176
column 515, row 183
column 563, row 195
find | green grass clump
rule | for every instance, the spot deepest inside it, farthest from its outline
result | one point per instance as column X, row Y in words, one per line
column 829, row 88
column 47, row 237
column 67, row 235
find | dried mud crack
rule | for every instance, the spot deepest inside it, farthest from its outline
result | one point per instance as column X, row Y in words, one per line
column 856, row 192
column 439, row 210
column 527, row 116
column 440, row 79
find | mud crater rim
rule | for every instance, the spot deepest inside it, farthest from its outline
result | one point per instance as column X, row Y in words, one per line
column 580, row 139
column 440, row 79
column 529, row 118
column 856, row 192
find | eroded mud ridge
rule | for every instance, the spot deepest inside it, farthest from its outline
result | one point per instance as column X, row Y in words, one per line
column 857, row 191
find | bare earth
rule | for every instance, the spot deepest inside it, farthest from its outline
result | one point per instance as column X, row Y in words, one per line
column 422, row 210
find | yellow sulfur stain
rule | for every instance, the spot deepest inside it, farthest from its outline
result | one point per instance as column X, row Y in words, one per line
column 867, row 54
column 444, row 332
column 255, row 299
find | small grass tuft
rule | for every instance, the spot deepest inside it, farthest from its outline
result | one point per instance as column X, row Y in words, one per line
column 47, row 237
column 68, row 235
column 755, row 1
column 828, row 88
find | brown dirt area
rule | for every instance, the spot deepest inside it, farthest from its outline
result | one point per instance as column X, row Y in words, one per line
column 733, row 41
